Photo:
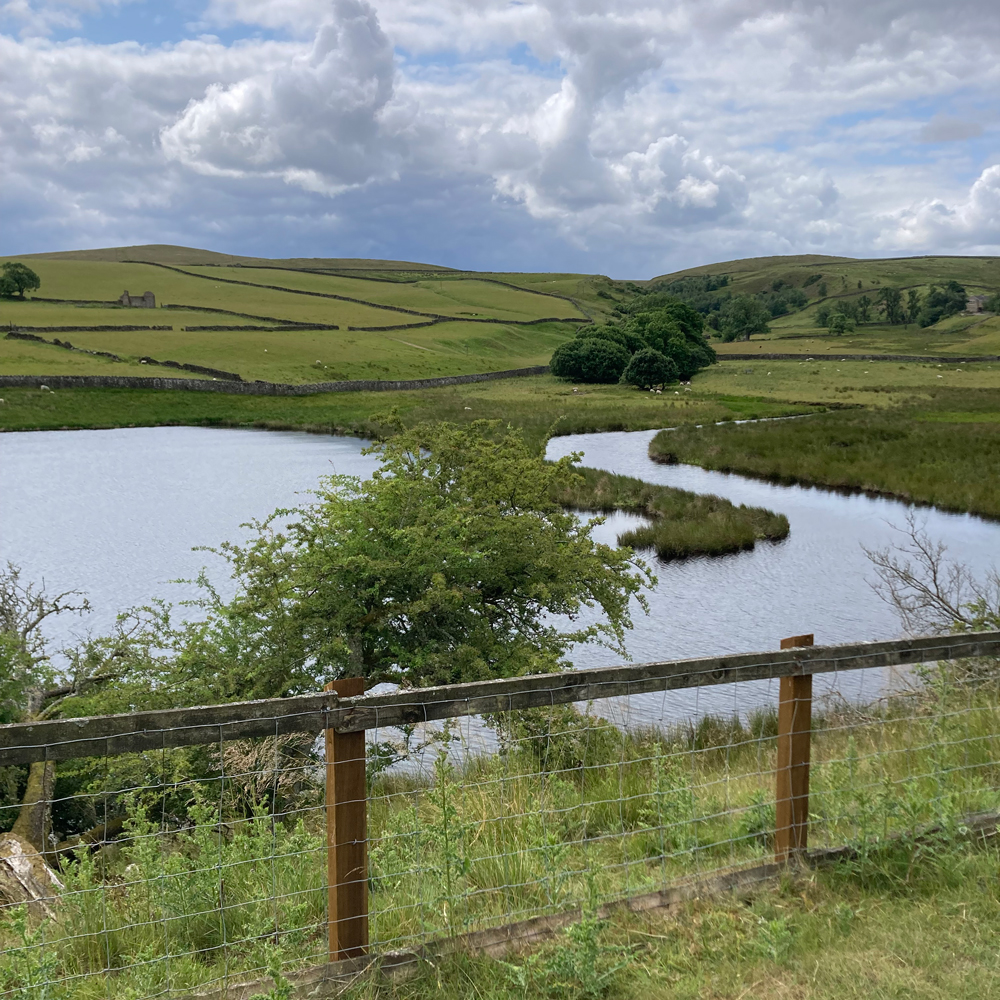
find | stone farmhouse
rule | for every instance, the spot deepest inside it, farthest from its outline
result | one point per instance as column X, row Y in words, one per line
column 975, row 303
column 145, row 301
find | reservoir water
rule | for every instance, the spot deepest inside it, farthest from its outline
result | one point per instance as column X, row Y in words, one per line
column 116, row 514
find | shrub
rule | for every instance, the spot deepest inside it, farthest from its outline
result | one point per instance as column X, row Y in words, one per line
column 590, row 360
column 839, row 323
column 649, row 368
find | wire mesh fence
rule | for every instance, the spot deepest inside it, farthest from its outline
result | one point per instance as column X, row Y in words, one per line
column 209, row 862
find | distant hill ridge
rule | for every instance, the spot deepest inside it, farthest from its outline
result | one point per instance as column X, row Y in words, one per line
column 164, row 253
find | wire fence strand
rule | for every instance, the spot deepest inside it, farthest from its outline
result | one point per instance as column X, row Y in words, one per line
column 196, row 866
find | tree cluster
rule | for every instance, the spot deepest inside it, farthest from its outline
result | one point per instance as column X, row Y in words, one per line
column 889, row 306
column 655, row 346
column 942, row 302
column 16, row 279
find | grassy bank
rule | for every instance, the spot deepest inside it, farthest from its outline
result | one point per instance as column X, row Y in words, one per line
column 537, row 404
column 941, row 448
column 572, row 810
column 681, row 524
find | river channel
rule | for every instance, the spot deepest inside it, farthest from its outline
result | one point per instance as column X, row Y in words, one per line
column 116, row 514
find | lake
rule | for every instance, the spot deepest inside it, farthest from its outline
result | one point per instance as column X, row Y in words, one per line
column 116, row 513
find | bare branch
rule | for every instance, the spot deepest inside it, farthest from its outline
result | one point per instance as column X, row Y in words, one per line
column 930, row 593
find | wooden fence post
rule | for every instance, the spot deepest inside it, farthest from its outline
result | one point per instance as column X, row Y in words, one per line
column 347, row 834
column 791, row 828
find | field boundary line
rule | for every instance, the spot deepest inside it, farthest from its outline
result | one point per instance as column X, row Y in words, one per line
column 259, row 388
column 957, row 359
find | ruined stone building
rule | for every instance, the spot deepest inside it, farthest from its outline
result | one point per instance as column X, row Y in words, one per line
column 145, row 301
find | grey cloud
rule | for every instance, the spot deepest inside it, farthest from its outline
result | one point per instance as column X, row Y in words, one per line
column 943, row 129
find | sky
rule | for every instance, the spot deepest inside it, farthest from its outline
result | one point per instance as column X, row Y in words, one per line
column 628, row 137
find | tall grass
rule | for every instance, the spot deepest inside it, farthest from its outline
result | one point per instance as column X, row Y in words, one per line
column 570, row 810
column 682, row 523
column 944, row 450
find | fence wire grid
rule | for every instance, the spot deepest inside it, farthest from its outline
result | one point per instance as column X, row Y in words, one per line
column 191, row 868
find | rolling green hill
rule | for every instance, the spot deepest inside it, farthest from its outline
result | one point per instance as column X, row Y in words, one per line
column 829, row 280
column 292, row 320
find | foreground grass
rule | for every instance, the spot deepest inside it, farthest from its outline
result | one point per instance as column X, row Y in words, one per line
column 821, row 936
column 572, row 811
column 941, row 448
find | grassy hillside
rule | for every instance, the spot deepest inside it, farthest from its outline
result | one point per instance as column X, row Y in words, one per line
column 350, row 318
column 829, row 280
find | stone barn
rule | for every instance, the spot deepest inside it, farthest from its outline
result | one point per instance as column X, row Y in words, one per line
column 145, row 301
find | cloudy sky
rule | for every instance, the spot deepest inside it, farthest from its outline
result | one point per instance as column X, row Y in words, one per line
column 627, row 137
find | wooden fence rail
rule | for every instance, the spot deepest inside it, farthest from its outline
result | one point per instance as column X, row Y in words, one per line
column 111, row 735
column 344, row 713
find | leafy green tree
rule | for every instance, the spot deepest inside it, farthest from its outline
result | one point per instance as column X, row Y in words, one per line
column 940, row 303
column 912, row 306
column 626, row 338
column 840, row 323
column 821, row 289
column 743, row 316
column 864, row 307
column 992, row 304
column 823, row 315
column 451, row 563
column 890, row 304
column 589, row 360
column 650, row 368
column 20, row 278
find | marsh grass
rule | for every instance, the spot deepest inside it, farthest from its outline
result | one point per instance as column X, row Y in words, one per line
column 942, row 449
column 682, row 523
column 571, row 810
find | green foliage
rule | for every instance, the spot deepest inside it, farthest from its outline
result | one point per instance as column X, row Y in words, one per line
column 577, row 966
column 559, row 739
column 659, row 322
column 447, row 565
column 743, row 316
column 596, row 359
column 682, row 523
column 992, row 304
column 840, row 323
column 650, row 368
column 942, row 302
column 821, row 289
column 811, row 280
column 890, row 304
column 17, row 278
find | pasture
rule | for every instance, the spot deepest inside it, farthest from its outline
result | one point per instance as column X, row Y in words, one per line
column 355, row 319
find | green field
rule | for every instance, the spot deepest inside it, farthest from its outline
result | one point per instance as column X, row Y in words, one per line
column 394, row 320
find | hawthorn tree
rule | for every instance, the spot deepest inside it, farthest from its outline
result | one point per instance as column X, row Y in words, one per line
column 451, row 563
column 650, row 368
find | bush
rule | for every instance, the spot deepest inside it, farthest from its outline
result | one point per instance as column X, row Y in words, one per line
column 649, row 368
column 590, row 360
column 840, row 323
